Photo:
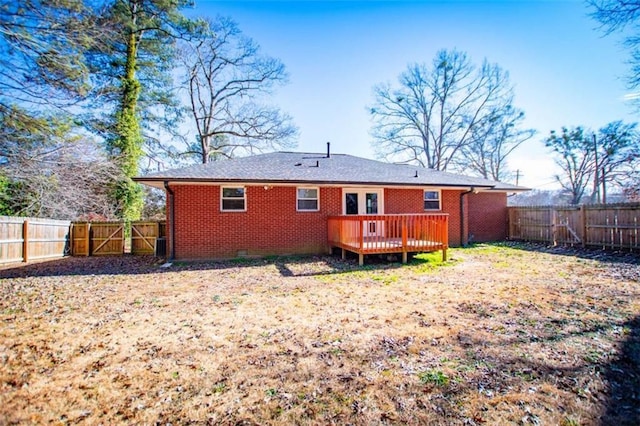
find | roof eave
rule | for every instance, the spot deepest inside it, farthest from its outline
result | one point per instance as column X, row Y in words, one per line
column 158, row 182
column 510, row 190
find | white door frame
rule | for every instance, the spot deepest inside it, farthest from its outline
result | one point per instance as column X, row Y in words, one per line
column 362, row 208
column 370, row 228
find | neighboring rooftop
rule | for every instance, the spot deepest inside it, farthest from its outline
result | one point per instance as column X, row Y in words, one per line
column 314, row 168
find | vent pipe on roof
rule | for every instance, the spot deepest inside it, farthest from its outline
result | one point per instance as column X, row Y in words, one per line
column 328, row 149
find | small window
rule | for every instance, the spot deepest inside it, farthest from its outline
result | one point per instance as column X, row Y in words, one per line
column 233, row 199
column 432, row 200
column 307, row 199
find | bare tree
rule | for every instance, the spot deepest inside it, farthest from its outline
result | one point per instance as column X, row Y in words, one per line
column 228, row 77
column 631, row 192
column 621, row 15
column 537, row 197
column 618, row 153
column 65, row 178
column 493, row 140
column 575, row 157
column 437, row 112
column 608, row 158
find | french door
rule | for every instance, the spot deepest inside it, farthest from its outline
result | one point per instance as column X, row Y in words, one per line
column 364, row 201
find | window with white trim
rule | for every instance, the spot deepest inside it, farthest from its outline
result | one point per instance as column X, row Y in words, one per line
column 431, row 200
column 233, row 199
column 307, row 199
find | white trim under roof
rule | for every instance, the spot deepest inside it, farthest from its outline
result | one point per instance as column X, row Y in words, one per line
column 160, row 185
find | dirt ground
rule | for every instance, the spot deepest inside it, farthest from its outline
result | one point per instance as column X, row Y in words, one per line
column 499, row 334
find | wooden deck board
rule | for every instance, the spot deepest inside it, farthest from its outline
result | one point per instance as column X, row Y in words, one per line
column 392, row 245
column 399, row 234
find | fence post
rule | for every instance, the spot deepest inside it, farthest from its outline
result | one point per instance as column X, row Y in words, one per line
column 25, row 241
column 554, row 220
column 583, row 225
column 88, row 239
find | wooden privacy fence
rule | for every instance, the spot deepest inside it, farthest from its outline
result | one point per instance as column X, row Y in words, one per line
column 24, row 238
column 603, row 225
column 111, row 238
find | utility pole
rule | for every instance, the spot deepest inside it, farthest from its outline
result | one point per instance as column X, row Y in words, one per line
column 596, row 184
column 517, row 177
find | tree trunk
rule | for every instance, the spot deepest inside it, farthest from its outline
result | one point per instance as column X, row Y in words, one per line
column 128, row 142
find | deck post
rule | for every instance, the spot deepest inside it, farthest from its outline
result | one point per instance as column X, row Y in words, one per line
column 404, row 232
column 344, row 254
column 360, row 259
column 444, row 254
column 404, row 239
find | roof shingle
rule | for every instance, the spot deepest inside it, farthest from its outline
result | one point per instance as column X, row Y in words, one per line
column 313, row 168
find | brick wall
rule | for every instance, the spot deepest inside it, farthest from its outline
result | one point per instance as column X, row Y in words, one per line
column 451, row 204
column 487, row 216
column 271, row 224
column 398, row 201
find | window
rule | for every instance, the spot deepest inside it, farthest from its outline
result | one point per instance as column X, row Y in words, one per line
column 233, row 199
column 307, row 199
column 432, row 200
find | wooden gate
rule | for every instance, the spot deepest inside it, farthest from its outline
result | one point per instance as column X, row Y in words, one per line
column 112, row 238
column 107, row 238
column 97, row 238
column 144, row 236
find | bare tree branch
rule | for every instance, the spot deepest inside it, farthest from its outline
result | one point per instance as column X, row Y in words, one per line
column 618, row 154
column 619, row 16
column 227, row 78
column 437, row 113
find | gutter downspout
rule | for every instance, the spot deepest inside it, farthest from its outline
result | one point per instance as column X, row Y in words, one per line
column 172, row 211
column 463, row 241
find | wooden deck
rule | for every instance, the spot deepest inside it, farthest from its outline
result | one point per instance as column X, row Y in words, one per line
column 393, row 233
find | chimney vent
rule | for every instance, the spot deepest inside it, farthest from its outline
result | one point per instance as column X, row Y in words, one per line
column 328, row 149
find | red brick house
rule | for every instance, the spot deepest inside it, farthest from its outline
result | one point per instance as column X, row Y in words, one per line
column 295, row 203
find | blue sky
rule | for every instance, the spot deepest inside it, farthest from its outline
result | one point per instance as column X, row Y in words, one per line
column 564, row 70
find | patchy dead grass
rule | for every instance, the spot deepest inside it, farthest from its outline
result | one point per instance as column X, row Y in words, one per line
column 499, row 334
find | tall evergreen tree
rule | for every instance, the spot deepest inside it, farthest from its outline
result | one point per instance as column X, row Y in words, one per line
column 41, row 53
column 43, row 78
column 132, row 74
column 42, row 68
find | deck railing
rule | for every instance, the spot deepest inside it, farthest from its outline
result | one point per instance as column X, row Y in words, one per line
column 391, row 233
